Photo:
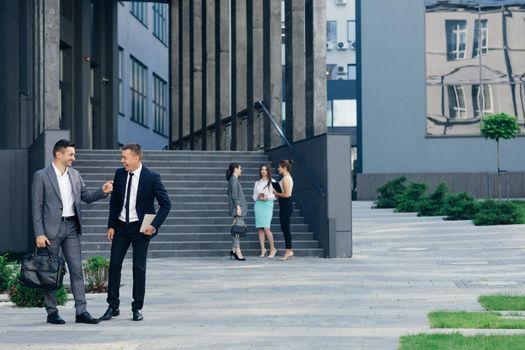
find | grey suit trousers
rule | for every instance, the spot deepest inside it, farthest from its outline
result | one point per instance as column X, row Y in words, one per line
column 68, row 238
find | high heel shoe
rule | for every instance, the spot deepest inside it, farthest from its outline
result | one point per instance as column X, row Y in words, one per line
column 234, row 255
column 263, row 254
column 272, row 255
column 288, row 255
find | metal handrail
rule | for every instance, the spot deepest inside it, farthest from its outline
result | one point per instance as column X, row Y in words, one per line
column 296, row 155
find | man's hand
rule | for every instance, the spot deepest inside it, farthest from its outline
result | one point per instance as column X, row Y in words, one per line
column 41, row 241
column 107, row 187
column 148, row 231
column 110, row 234
column 238, row 213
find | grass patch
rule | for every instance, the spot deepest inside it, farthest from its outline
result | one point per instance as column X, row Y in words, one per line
column 502, row 302
column 475, row 320
column 457, row 341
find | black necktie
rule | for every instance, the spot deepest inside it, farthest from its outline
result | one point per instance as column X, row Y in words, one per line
column 128, row 193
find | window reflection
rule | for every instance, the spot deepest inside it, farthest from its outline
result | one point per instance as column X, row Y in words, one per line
column 475, row 63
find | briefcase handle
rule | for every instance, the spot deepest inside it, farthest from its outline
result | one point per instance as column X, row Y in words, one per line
column 49, row 253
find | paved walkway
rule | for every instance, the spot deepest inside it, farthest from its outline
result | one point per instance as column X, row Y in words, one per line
column 403, row 267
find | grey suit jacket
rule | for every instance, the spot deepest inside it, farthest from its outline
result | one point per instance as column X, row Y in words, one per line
column 236, row 197
column 47, row 202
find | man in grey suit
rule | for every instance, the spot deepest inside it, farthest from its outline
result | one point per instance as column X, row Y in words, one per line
column 56, row 194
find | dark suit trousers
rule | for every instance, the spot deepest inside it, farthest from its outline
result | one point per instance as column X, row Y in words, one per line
column 126, row 235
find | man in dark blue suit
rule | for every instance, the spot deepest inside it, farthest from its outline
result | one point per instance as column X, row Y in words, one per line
column 135, row 188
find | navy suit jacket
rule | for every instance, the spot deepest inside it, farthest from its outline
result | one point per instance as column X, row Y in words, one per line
column 150, row 188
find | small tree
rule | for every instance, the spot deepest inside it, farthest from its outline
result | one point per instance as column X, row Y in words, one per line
column 496, row 127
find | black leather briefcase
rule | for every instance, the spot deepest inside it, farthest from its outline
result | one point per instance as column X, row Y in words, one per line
column 44, row 271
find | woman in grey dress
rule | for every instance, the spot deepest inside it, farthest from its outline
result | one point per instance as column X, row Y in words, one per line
column 236, row 204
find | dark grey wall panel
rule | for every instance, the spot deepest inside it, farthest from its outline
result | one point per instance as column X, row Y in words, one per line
column 14, row 207
column 328, row 159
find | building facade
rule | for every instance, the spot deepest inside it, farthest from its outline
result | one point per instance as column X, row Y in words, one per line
column 430, row 70
column 143, row 74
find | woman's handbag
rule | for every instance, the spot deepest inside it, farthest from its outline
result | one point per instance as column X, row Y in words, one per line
column 238, row 228
column 44, row 271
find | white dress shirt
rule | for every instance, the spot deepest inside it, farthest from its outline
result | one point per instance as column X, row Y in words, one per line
column 66, row 192
column 133, row 216
column 260, row 187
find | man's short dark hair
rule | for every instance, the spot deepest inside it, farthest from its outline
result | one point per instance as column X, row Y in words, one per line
column 135, row 148
column 61, row 145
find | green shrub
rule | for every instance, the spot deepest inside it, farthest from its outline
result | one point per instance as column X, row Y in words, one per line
column 31, row 297
column 6, row 273
column 389, row 191
column 411, row 198
column 96, row 272
column 460, row 206
column 434, row 204
column 493, row 212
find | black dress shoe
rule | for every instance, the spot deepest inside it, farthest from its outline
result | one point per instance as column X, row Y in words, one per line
column 55, row 318
column 110, row 313
column 137, row 315
column 86, row 318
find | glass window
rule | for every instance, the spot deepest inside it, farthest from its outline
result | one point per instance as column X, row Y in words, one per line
column 350, row 31
column 331, row 71
column 344, row 113
column 160, row 90
column 331, row 31
column 482, row 100
column 160, row 28
column 456, row 39
column 120, row 81
column 329, row 113
column 138, row 9
column 456, row 102
column 352, row 72
column 481, row 34
column 138, row 91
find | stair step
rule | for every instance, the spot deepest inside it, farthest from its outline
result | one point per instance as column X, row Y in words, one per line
column 250, row 221
column 103, row 212
column 196, row 228
column 201, row 253
column 196, row 237
column 205, row 245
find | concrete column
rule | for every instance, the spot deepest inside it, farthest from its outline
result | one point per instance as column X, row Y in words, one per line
column 249, row 77
column 204, row 74
column 185, row 54
column 233, row 74
column 210, row 66
column 197, row 66
column 82, row 73
column 319, row 66
column 175, row 70
column 295, row 69
column 191, row 72
column 224, row 64
column 272, row 68
column 46, row 65
column 258, row 50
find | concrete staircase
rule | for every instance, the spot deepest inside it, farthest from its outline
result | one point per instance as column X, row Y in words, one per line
column 198, row 224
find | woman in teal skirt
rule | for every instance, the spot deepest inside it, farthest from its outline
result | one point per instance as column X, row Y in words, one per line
column 264, row 198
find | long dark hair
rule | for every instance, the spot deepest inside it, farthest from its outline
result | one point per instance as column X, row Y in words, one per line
column 287, row 164
column 268, row 174
column 231, row 169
